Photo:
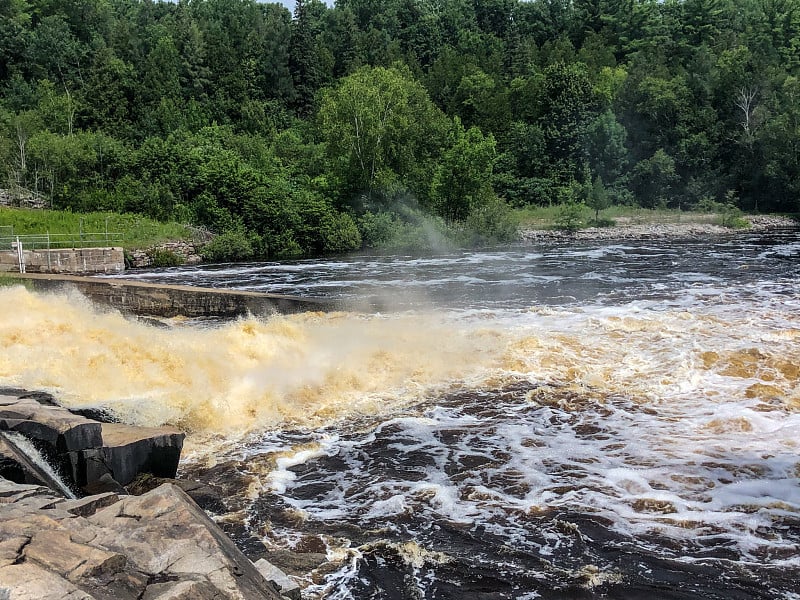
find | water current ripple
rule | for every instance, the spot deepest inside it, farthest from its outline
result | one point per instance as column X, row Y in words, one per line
column 527, row 489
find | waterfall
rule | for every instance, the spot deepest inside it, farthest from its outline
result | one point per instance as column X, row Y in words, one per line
column 32, row 460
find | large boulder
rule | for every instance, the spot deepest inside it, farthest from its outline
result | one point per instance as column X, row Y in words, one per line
column 52, row 425
column 126, row 451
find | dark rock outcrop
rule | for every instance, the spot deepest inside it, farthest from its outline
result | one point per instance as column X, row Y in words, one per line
column 208, row 497
column 16, row 467
column 125, row 452
column 96, row 456
column 51, row 425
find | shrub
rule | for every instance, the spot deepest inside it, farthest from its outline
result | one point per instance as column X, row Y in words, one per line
column 160, row 257
column 730, row 213
column 603, row 222
column 731, row 216
column 412, row 231
column 493, row 221
column 378, row 229
column 570, row 216
column 229, row 246
column 284, row 246
column 339, row 233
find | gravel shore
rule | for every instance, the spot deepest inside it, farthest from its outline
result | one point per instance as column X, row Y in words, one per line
column 635, row 231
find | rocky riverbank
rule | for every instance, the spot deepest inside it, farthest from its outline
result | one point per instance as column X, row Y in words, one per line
column 627, row 230
column 187, row 253
column 157, row 546
column 131, row 533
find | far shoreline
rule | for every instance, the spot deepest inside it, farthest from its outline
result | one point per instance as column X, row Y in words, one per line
column 625, row 230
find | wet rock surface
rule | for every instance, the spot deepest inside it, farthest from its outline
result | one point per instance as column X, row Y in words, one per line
column 127, row 451
column 158, row 545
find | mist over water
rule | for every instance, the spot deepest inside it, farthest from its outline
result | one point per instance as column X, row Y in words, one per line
column 603, row 420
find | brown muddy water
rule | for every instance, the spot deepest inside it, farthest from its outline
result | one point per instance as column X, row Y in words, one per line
column 593, row 421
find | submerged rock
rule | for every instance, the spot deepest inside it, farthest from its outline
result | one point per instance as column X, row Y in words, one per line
column 158, row 545
column 286, row 584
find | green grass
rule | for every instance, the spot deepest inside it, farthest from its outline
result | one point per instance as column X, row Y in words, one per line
column 545, row 217
column 9, row 279
column 137, row 231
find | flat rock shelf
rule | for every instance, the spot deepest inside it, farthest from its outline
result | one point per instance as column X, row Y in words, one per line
column 70, row 530
column 156, row 546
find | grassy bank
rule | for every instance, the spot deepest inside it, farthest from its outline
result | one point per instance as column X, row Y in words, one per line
column 137, row 231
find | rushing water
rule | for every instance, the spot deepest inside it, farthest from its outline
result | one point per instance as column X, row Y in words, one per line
column 609, row 420
column 36, row 462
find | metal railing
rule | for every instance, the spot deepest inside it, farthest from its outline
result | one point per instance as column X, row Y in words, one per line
column 54, row 241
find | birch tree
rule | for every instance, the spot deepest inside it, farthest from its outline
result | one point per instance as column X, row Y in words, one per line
column 378, row 125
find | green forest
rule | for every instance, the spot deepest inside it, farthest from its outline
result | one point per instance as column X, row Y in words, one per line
column 329, row 129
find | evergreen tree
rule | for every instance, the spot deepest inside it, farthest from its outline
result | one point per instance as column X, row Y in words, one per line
column 303, row 60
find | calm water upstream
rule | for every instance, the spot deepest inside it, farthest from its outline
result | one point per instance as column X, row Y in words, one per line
column 607, row 420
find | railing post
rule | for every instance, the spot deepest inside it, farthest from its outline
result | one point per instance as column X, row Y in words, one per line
column 20, row 256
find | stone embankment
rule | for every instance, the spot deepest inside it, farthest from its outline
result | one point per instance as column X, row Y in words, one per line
column 644, row 231
column 76, row 261
column 187, row 252
column 110, row 544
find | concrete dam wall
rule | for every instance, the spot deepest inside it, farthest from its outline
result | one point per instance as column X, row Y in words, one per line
column 172, row 300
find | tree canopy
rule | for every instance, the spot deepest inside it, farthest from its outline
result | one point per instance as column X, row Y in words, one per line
column 297, row 131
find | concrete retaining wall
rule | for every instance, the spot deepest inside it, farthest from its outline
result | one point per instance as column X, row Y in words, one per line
column 172, row 300
column 68, row 260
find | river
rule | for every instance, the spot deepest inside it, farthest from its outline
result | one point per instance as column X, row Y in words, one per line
column 601, row 420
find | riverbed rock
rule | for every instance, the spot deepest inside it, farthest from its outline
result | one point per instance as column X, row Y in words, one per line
column 208, row 497
column 287, row 586
column 160, row 545
column 185, row 252
column 626, row 229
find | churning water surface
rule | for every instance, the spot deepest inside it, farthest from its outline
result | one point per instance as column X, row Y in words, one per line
column 607, row 420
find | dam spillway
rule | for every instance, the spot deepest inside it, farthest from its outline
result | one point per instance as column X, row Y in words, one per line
column 168, row 300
